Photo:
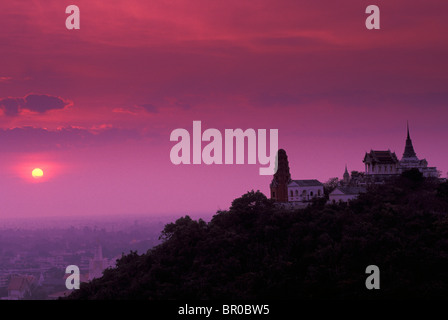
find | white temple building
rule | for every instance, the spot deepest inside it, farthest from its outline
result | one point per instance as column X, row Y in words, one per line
column 348, row 189
column 305, row 190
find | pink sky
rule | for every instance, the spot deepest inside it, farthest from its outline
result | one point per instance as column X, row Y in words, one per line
column 94, row 108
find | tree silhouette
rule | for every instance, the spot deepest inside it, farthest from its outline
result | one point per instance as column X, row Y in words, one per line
column 257, row 250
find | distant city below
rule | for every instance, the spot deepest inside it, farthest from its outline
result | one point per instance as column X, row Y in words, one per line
column 33, row 260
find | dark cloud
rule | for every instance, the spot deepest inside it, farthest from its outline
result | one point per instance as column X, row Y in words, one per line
column 183, row 105
column 137, row 109
column 43, row 103
column 30, row 139
column 149, row 108
column 40, row 103
column 267, row 100
column 10, row 106
column 354, row 99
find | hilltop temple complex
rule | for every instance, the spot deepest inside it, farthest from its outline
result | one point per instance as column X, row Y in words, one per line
column 380, row 165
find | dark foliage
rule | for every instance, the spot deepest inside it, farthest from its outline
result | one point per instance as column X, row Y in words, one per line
column 255, row 250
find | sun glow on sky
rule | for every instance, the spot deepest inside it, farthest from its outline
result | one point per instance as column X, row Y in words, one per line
column 37, row 168
column 37, row 173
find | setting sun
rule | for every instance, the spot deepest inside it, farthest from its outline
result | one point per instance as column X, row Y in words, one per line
column 37, row 173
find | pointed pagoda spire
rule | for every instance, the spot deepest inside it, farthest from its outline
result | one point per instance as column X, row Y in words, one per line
column 407, row 125
column 346, row 176
column 409, row 148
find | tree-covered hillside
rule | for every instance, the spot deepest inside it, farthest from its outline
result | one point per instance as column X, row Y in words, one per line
column 255, row 250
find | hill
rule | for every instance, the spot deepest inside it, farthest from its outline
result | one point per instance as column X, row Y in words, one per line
column 255, row 250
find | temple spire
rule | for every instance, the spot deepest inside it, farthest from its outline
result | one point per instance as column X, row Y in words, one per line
column 346, row 177
column 407, row 124
column 409, row 148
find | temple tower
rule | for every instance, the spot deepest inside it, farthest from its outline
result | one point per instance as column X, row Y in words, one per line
column 281, row 179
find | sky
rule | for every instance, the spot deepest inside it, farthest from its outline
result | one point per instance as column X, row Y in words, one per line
column 94, row 107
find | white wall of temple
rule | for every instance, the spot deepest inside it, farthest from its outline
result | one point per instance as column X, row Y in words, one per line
column 335, row 198
column 384, row 169
column 305, row 193
column 380, row 168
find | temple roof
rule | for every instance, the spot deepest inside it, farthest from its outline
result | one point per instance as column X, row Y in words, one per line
column 351, row 190
column 307, row 183
column 381, row 157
